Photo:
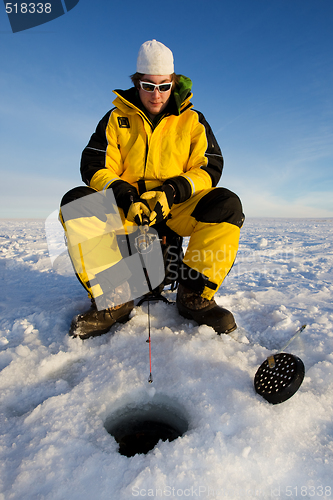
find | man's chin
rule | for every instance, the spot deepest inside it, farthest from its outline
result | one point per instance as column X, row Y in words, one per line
column 155, row 110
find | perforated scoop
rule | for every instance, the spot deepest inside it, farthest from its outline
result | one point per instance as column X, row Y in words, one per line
column 279, row 377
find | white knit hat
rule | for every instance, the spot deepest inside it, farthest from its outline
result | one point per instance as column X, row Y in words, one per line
column 154, row 59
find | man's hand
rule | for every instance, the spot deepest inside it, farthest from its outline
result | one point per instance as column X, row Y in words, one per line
column 128, row 199
column 137, row 210
column 161, row 199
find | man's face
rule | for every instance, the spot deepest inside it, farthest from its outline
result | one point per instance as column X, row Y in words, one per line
column 155, row 102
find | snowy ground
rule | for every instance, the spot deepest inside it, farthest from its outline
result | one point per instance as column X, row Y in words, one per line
column 57, row 392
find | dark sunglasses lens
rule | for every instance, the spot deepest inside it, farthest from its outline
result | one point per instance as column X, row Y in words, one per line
column 148, row 87
column 164, row 87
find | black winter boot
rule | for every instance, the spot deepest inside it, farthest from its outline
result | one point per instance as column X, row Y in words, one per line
column 205, row 312
column 94, row 322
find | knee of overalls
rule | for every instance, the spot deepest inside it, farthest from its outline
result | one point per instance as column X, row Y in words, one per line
column 91, row 219
column 216, row 221
column 219, row 205
column 79, row 202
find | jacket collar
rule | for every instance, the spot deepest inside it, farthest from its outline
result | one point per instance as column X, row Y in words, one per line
column 128, row 100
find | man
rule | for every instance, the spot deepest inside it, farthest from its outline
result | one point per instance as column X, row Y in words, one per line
column 161, row 161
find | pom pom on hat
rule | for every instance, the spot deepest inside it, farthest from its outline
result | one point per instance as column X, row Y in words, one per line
column 154, row 59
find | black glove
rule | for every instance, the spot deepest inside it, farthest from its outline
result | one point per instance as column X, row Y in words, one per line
column 128, row 199
column 161, row 200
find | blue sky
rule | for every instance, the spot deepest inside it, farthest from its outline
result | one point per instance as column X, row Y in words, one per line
column 262, row 73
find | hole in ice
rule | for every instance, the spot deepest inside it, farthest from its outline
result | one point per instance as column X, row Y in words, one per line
column 138, row 429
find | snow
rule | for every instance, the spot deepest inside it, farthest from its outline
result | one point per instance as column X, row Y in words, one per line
column 57, row 393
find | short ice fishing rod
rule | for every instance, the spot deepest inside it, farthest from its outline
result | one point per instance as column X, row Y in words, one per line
column 280, row 375
column 143, row 245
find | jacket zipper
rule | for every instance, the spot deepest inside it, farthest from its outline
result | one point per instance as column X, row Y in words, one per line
column 144, row 117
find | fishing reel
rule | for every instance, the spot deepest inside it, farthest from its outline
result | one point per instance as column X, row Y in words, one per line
column 145, row 241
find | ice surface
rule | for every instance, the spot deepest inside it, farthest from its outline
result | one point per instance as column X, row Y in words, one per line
column 57, row 392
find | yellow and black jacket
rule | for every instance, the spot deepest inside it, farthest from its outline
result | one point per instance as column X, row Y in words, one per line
column 130, row 153
column 127, row 146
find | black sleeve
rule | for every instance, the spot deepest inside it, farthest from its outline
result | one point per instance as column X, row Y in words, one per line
column 213, row 153
column 182, row 188
column 93, row 155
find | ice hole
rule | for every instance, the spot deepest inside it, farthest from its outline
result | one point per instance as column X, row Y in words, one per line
column 138, row 428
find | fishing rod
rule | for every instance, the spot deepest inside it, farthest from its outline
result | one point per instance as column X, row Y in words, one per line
column 150, row 378
column 143, row 244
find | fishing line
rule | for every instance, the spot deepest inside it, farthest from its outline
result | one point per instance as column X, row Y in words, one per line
column 150, row 378
column 143, row 244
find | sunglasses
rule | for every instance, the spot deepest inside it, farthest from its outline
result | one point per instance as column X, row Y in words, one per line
column 150, row 87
